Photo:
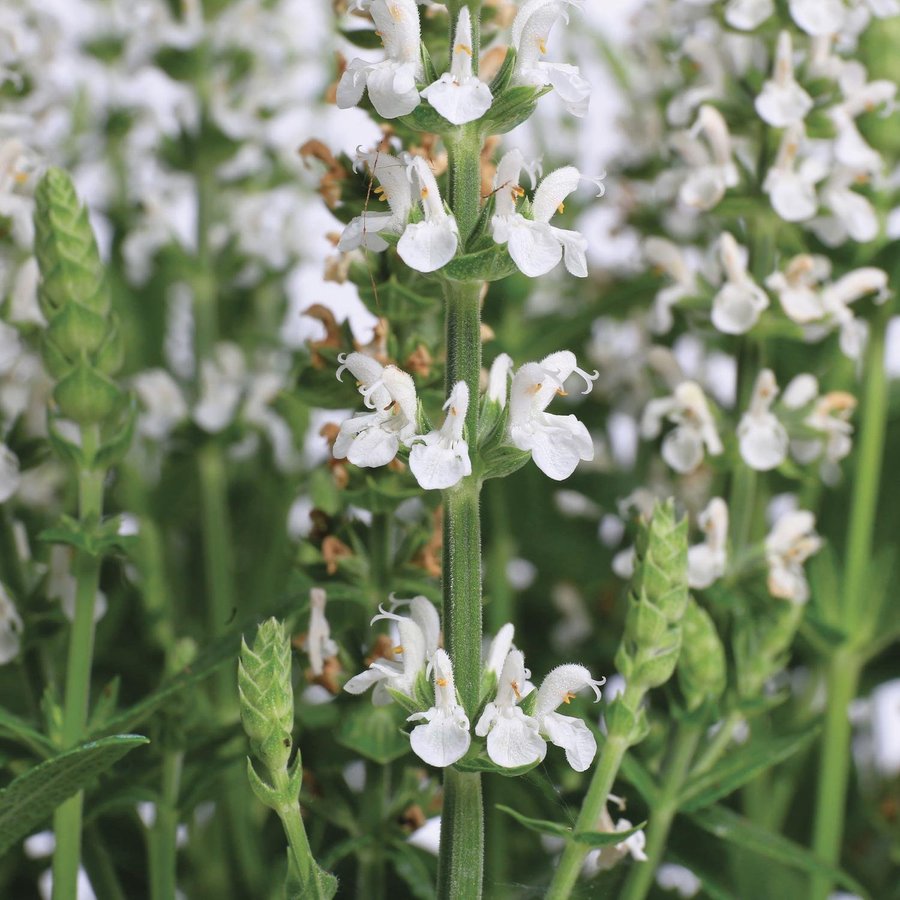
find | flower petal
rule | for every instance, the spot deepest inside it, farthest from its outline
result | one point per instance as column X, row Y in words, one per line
column 514, row 740
column 573, row 736
column 532, row 246
column 429, row 245
column 443, row 739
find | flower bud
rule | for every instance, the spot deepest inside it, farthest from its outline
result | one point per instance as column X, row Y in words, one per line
column 82, row 343
column 701, row 665
column 267, row 695
column 661, row 562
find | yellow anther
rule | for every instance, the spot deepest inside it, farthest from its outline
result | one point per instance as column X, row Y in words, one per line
column 423, row 193
column 454, row 411
column 515, row 686
column 441, row 682
column 534, row 388
column 561, row 208
column 561, row 393
column 569, row 697
column 542, row 45
column 397, row 649
column 463, row 48
column 21, row 177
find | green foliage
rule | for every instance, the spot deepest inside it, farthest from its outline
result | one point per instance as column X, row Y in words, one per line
column 32, row 797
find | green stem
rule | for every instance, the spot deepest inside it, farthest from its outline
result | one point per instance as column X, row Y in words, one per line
column 163, row 855
column 372, row 882
column 717, row 745
column 641, row 877
column 594, row 802
column 461, row 863
column 464, row 150
column 67, row 819
column 292, row 821
column 845, row 667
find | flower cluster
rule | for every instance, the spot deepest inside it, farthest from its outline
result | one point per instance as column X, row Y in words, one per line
column 517, row 721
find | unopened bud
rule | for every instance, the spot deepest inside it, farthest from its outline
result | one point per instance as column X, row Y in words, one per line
column 701, row 665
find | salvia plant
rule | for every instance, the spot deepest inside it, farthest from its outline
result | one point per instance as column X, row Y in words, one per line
column 392, row 507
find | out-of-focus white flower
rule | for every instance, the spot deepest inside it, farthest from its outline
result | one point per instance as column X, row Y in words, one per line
column 672, row 877
column 740, row 301
column 669, row 258
column 17, row 168
column 783, row 101
column 459, row 95
column 789, row 544
column 819, row 17
column 222, row 378
column 534, row 244
column 762, row 438
column 707, row 561
column 530, row 33
column 836, row 300
column 9, row 473
column 884, row 706
column 10, row 627
column 62, row 585
column 797, row 287
column 792, row 189
column 860, row 94
column 391, row 83
column 556, row 443
column 829, row 415
column 440, row 459
column 712, row 171
column 498, row 379
column 444, row 737
column 850, row 148
column 164, row 406
column 23, row 302
column 319, row 644
column 852, row 215
column 395, row 188
column 747, row 15
column 428, row 837
column 430, row 244
column 605, row 858
column 373, row 439
column 695, row 433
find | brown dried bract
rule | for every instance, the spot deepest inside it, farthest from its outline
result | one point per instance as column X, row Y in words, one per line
column 412, row 817
column 429, row 557
column 377, row 347
column 331, row 669
column 431, row 150
column 332, row 340
column 419, row 362
column 333, row 551
column 383, row 648
column 488, row 166
column 335, row 173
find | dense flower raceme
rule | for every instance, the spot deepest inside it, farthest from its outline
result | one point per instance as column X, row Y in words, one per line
column 443, row 734
column 458, row 95
column 440, row 458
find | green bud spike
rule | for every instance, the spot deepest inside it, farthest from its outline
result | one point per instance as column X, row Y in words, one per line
column 86, row 396
column 701, row 665
column 661, row 562
column 267, row 695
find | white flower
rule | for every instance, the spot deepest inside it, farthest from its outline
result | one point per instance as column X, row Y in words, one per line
column 862, row 96
column 669, row 258
column 695, row 432
column 530, row 33
column 572, row 735
column 9, row 473
column 499, row 649
column 319, row 644
column 782, row 101
column 789, row 544
column 852, row 215
column 373, row 439
column 444, row 737
column 672, row 877
column 440, row 459
column 712, row 171
column 819, row 17
column 164, row 406
column 737, row 305
column 797, row 287
column 458, row 95
column 513, row 739
column 10, row 627
column 392, row 83
column 829, row 415
column 556, row 443
column 747, row 15
column 605, row 858
column 222, row 379
column 498, row 380
column 534, row 244
column 762, row 438
column 395, row 189
column 792, row 191
column 417, row 644
column 430, row 244
column 707, row 561
column 428, row 837
column 836, row 300
column 850, row 148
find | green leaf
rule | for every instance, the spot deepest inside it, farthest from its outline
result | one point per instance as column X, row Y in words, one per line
column 32, row 797
column 14, row 728
column 639, row 778
column 729, row 826
column 374, row 732
column 605, row 838
column 511, row 108
column 364, row 38
column 502, row 461
column 412, row 866
column 486, row 265
column 479, row 762
column 739, row 767
column 541, row 826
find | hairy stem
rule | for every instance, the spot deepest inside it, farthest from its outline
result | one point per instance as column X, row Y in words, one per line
column 163, row 850
column 461, row 863
column 67, row 819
